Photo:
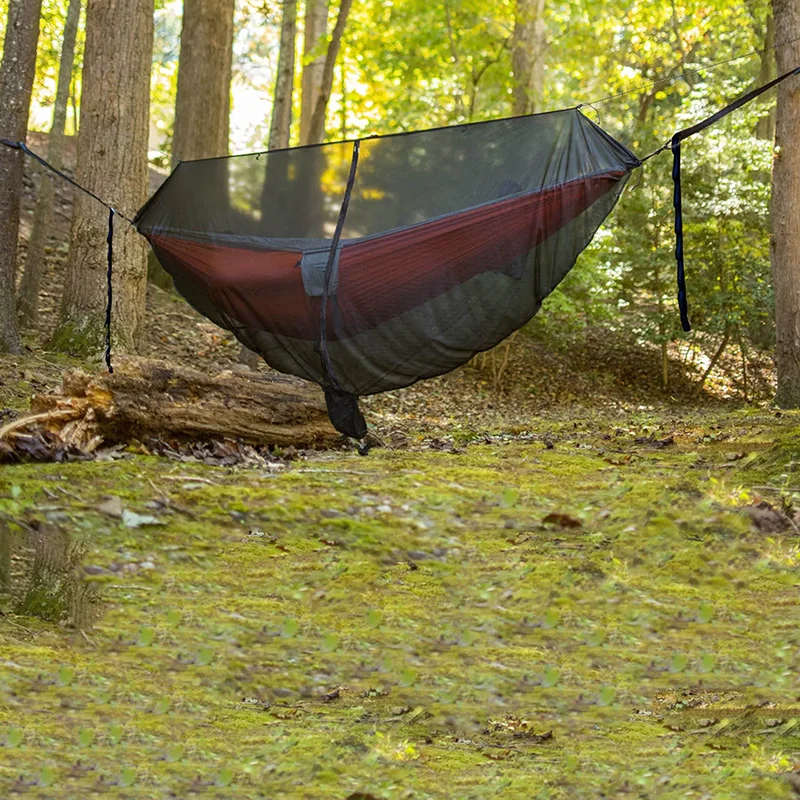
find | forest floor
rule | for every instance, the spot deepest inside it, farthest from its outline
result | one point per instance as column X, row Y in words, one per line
column 593, row 607
column 558, row 582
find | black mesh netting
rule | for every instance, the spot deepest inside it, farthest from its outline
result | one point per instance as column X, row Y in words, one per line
column 446, row 242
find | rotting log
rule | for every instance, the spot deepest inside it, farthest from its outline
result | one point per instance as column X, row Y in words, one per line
column 145, row 398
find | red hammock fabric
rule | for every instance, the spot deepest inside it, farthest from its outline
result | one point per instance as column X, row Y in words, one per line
column 382, row 276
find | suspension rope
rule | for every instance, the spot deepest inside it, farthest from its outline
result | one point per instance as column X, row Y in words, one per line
column 673, row 144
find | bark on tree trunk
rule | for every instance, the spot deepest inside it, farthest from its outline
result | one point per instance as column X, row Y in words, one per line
column 786, row 210
column 16, row 83
column 112, row 162
column 28, row 300
column 529, row 43
column 281, row 124
column 203, row 102
column 316, row 29
column 316, row 131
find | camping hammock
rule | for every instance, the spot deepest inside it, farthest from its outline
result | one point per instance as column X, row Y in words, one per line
column 367, row 265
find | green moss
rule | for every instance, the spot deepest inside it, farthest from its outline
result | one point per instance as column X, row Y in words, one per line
column 409, row 625
column 79, row 339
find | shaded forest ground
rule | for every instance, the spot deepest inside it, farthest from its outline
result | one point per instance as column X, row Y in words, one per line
column 566, row 586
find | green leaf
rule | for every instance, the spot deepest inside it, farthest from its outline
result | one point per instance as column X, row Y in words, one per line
column 173, row 616
column 85, row 737
column 551, row 618
column 174, row 753
column 596, row 638
column 204, row 656
column 510, row 498
column 408, row 677
column 330, row 642
column 65, row 676
column 115, row 733
column 127, row 777
column 14, row 737
column 679, row 662
column 225, row 777
column 374, row 618
column 16, row 491
column 705, row 613
column 551, row 676
column 291, row 628
column 162, row 706
column 47, row 776
column 606, row 696
column 708, row 661
column 146, row 637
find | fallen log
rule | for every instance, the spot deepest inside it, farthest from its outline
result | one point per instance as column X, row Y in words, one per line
column 145, row 399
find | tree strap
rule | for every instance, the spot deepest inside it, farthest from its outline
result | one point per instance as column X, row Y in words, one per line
column 676, row 179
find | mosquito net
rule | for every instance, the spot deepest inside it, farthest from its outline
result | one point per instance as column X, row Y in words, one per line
column 365, row 266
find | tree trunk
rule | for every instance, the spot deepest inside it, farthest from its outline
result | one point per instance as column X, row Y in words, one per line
column 765, row 127
column 786, row 210
column 112, row 162
column 316, row 29
column 147, row 399
column 316, row 131
column 281, row 125
column 203, row 103
column 528, row 46
column 16, row 84
column 28, row 300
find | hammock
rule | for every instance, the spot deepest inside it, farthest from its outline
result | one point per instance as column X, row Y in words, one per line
column 365, row 266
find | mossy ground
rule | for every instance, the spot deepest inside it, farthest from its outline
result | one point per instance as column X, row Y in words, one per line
column 408, row 625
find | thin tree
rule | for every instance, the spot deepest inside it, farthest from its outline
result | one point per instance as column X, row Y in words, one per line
column 112, row 162
column 314, row 35
column 786, row 209
column 765, row 128
column 28, row 298
column 528, row 46
column 316, row 132
column 281, row 123
column 16, row 84
column 203, row 102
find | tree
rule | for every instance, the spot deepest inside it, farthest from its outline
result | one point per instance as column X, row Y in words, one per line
column 786, row 210
column 314, row 34
column 528, row 46
column 316, row 131
column 202, row 106
column 112, row 162
column 28, row 299
column 16, row 85
column 281, row 123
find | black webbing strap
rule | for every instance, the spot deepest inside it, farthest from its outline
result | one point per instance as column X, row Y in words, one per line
column 110, row 242
column 327, row 364
column 109, row 238
column 47, row 165
column 676, row 178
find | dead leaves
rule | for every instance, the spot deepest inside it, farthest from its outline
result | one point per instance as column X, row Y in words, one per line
column 562, row 521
